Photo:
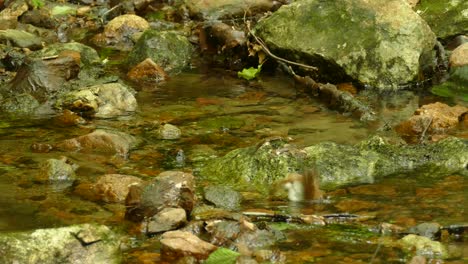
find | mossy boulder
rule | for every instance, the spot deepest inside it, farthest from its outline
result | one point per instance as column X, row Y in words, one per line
column 87, row 243
column 380, row 44
column 445, row 17
column 260, row 167
column 168, row 49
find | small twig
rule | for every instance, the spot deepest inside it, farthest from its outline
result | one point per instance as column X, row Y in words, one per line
column 421, row 139
column 267, row 51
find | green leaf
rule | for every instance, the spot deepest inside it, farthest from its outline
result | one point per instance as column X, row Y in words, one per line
column 250, row 73
column 37, row 3
column 222, row 255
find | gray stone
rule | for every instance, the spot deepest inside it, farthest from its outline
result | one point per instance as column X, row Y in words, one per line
column 167, row 219
column 83, row 244
column 104, row 100
column 170, row 189
column 57, row 170
column 100, row 141
column 169, row 49
column 168, row 131
column 21, row 39
column 223, row 196
column 380, row 44
column 218, row 9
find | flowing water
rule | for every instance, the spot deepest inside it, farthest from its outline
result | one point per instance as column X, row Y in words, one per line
column 218, row 113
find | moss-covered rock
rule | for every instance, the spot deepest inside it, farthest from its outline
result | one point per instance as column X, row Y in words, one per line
column 445, row 17
column 259, row 167
column 168, row 49
column 87, row 243
column 380, row 44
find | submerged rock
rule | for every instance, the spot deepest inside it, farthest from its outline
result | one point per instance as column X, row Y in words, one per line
column 424, row 246
column 168, row 131
column 379, row 44
column 147, row 70
column 168, row 49
column 223, row 197
column 87, row 243
column 100, row 141
column 57, row 170
column 167, row 219
column 110, row 188
column 170, row 189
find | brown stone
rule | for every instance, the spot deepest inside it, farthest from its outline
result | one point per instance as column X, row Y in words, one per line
column 177, row 244
column 431, row 119
column 459, row 56
column 147, row 70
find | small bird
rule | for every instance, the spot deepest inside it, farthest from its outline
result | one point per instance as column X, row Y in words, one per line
column 303, row 187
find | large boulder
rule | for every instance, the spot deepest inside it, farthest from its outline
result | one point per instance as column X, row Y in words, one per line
column 262, row 167
column 85, row 243
column 380, row 44
column 446, row 18
column 168, row 49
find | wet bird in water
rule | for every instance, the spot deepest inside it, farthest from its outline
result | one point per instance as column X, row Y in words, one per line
column 303, row 187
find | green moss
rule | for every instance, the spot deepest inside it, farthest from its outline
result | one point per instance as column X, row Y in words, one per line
column 445, row 17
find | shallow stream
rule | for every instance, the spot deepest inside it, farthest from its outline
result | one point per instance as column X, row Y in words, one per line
column 218, row 113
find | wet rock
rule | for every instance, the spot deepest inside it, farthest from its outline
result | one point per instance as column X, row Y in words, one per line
column 110, row 188
column 88, row 56
column 120, row 33
column 43, row 78
column 167, row 219
column 377, row 30
column 69, row 118
column 19, row 38
column 168, row 49
column 9, row 15
column 446, row 18
column 170, row 189
column 86, row 243
column 217, row 9
column 267, row 165
column 413, row 3
column 459, row 56
column 176, row 244
column 23, row 103
column 57, row 170
column 223, row 196
column 147, row 70
column 100, row 141
column 432, row 119
column 429, row 230
column 424, row 246
column 168, row 131
column 102, row 100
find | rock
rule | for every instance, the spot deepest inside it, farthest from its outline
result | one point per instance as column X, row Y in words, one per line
column 432, row 119
column 176, row 244
column 147, row 70
column 168, row 49
column 88, row 56
column 120, row 33
column 223, row 196
column 380, row 45
column 21, row 39
column 103, row 100
column 110, row 188
column 413, row 3
column 218, row 9
column 168, row 131
column 446, row 18
column 429, row 230
column 86, row 243
column 23, row 104
column 170, row 189
column 167, row 219
column 459, row 56
column 9, row 16
column 424, row 246
column 266, row 166
column 57, row 170
column 100, row 141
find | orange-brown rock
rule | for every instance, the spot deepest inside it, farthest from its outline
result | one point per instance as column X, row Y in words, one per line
column 111, row 188
column 431, row 119
column 147, row 70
